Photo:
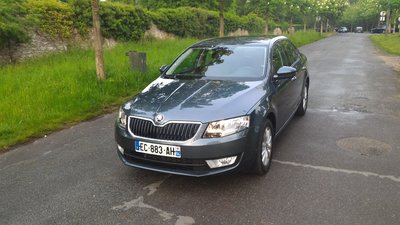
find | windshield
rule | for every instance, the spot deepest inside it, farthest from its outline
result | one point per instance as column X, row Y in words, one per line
column 221, row 62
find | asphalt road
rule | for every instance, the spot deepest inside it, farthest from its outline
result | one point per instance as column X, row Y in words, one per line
column 337, row 165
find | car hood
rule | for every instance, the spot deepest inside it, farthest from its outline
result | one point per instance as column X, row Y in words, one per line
column 196, row 99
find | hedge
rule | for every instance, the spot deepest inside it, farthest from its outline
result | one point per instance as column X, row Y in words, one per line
column 196, row 22
column 118, row 20
column 60, row 20
column 51, row 17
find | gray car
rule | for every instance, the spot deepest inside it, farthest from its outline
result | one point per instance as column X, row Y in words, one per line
column 216, row 108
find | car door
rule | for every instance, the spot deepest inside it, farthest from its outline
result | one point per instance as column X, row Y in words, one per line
column 294, row 60
column 283, row 98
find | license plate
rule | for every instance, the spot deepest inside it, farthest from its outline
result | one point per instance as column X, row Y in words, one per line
column 158, row 149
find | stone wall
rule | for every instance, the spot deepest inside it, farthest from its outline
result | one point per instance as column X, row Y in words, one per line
column 156, row 33
column 39, row 45
column 239, row 32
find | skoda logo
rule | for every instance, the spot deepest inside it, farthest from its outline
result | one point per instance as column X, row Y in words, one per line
column 159, row 118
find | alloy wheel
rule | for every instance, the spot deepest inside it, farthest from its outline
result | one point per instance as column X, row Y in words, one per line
column 266, row 146
column 305, row 97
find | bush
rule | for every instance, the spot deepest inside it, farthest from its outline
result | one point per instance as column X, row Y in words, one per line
column 13, row 27
column 81, row 16
column 254, row 23
column 118, row 20
column 122, row 21
column 195, row 22
column 52, row 17
column 251, row 23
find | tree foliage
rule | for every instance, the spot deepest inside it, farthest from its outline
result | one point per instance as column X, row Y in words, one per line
column 13, row 26
column 365, row 13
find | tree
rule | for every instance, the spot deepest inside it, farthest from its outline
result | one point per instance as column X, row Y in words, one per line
column 392, row 7
column 97, row 41
column 13, row 26
column 268, row 9
column 363, row 13
column 221, row 18
column 292, row 10
column 306, row 9
column 330, row 10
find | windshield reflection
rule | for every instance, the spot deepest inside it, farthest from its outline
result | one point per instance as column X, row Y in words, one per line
column 222, row 62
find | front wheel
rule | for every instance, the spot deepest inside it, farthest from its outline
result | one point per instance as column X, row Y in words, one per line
column 301, row 110
column 264, row 151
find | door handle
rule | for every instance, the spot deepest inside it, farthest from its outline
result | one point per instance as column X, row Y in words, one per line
column 294, row 78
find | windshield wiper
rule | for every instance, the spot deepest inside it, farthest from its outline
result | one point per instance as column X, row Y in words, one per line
column 188, row 75
column 183, row 76
column 171, row 76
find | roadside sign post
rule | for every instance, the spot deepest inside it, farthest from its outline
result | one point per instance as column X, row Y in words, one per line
column 382, row 17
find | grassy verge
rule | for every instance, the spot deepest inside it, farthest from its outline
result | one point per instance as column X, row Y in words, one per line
column 389, row 43
column 301, row 38
column 48, row 93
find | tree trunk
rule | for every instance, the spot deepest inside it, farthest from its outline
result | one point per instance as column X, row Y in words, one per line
column 221, row 18
column 97, row 41
column 11, row 48
column 266, row 23
column 305, row 23
column 388, row 28
column 321, row 30
column 291, row 22
column 315, row 24
column 327, row 25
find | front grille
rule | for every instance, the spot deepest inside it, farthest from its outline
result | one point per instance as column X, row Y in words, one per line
column 170, row 132
column 193, row 165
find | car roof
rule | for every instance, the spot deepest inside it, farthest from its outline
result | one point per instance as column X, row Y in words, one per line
column 240, row 40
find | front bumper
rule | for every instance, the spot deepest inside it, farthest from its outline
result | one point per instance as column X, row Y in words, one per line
column 194, row 152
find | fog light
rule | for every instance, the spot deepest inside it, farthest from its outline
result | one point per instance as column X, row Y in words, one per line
column 215, row 163
column 120, row 149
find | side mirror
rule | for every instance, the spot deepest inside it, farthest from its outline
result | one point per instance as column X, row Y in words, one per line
column 285, row 72
column 163, row 68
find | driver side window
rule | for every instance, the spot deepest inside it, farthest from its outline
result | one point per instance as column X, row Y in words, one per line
column 276, row 60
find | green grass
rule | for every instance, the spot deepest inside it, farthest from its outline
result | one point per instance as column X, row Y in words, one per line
column 301, row 38
column 45, row 94
column 51, row 92
column 389, row 43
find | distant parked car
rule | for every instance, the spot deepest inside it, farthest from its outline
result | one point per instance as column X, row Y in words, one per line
column 342, row 30
column 359, row 30
column 216, row 108
column 378, row 30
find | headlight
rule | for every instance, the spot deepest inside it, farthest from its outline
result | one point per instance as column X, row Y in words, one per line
column 122, row 118
column 224, row 128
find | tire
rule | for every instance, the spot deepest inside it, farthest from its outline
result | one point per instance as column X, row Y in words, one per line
column 264, row 149
column 301, row 110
